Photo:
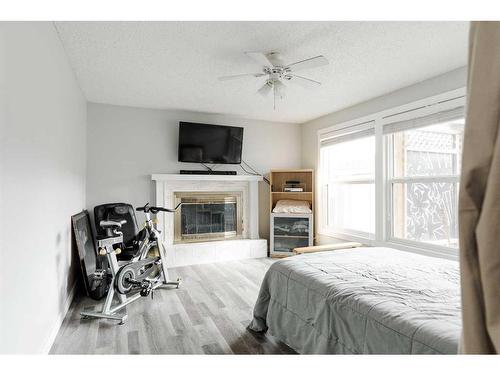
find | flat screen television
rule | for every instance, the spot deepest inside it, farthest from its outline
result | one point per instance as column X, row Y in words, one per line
column 210, row 144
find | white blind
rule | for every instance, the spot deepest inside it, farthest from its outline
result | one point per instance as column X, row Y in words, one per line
column 361, row 130
column 418, row 122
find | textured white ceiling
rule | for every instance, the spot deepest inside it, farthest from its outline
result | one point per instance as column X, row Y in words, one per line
column 175, row 65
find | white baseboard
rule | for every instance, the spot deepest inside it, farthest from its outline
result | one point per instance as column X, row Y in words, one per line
column 49, row 341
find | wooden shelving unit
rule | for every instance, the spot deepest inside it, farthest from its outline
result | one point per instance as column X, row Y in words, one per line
column 278, row 177
column 282, row 244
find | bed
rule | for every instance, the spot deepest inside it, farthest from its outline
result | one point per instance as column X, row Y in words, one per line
column 360, row 301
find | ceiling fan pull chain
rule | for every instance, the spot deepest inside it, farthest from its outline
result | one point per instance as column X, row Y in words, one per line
column 274, row 96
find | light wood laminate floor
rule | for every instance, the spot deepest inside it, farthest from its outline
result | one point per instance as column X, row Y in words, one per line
column 208, row 314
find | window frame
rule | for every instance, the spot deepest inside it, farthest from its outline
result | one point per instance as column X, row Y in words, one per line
column 384, row 179
column 347, row 231
column 390, row 181
column 329, row 227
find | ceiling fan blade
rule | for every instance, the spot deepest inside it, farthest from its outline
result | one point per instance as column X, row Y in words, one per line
column 236, row 76
column 275, row 59
column 303, row 81
column 260, row 58
column 313, row 62
column 266, row 89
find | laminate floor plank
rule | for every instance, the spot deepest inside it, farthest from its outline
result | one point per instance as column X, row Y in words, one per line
column 208, row 314
column 231, row 335
column 213, row 349
column 189, row 306
column 133, row 342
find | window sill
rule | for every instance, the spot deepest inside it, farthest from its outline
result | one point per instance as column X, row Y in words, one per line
column 331, row 237
column 444, row 253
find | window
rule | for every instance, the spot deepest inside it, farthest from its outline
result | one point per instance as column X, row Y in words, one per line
column 392, row 178
column 348, row 183
column 424, row 174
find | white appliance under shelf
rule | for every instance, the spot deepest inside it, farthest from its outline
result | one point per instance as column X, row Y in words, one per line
column 289, row 231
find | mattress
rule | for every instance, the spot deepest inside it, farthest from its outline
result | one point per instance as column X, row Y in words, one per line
column 360, row 301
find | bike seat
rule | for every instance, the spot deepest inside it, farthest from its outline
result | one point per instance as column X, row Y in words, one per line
column 111, row 224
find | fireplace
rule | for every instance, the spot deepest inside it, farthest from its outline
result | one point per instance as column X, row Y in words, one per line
column 207, row 216
column 204, row 243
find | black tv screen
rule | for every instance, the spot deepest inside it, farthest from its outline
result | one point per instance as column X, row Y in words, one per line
column 204, row 143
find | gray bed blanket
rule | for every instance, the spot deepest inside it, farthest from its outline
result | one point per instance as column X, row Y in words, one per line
column 364, row 300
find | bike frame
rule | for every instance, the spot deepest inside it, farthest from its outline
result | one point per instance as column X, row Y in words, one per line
column 108, row 310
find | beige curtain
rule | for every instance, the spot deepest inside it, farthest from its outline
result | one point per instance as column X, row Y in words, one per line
column 479, row 202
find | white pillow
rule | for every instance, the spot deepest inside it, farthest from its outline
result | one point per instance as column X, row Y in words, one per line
column 288, row 206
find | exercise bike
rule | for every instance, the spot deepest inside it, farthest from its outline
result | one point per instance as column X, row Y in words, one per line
column 143, row 273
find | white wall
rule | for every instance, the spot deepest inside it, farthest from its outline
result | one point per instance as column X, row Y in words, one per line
column 42, row 175
column 126, row 145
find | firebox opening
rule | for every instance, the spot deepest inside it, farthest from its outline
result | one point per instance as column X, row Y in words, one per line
column 207, row 216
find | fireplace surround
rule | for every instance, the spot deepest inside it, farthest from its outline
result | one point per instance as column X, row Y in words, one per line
column 213, row 246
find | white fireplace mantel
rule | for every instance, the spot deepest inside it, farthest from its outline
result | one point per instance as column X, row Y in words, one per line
column 250, row 246
column 205, row 177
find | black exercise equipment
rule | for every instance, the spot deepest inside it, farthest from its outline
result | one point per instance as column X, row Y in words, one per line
column 140, row 270
column 132, row 236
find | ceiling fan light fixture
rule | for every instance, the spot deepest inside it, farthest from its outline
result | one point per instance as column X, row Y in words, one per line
column 266, row 88
column 280, row 89
column 277, row 72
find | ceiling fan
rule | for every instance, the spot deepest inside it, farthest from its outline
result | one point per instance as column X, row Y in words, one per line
column 278, row 72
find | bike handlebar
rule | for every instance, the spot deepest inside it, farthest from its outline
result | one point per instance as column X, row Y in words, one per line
column 155, row 210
